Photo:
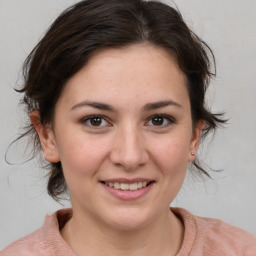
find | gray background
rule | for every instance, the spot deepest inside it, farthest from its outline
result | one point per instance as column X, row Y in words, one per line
column 229, row 28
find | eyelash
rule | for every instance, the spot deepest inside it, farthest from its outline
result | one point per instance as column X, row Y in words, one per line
column 166, row 118
column 91, row 117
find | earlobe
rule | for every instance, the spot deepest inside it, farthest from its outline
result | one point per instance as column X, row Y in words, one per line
column 47, row 138
column 195, row 140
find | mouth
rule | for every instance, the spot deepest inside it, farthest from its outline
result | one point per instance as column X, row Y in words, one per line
column 128, row 189
column 128, row 186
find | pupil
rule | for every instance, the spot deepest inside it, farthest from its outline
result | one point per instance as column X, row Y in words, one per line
column 157, row 120
column 96, row 121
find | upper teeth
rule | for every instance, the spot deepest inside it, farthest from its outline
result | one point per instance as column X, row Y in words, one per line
column 126, row 186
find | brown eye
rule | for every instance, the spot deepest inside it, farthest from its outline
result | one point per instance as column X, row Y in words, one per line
column 157, row 120
column 161, row 121
column 96, row 121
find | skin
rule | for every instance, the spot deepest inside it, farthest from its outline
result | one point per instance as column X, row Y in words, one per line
column 126, row 142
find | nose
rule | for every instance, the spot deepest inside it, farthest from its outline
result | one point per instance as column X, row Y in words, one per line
column 128, row 149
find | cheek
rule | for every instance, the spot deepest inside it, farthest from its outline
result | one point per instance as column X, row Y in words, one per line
column 173, row 167
column 172, row 154
column 82, row 156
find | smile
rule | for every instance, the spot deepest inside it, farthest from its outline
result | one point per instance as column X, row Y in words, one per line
column 128, row 189
column 126, row 186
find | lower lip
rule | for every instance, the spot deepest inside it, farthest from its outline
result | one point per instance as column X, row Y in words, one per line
column 128, row 194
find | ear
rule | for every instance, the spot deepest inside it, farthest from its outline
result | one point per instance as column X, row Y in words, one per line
column 195, row 140
column 47, row 138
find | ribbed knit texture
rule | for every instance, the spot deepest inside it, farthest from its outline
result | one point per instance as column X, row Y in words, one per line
column 203, row 237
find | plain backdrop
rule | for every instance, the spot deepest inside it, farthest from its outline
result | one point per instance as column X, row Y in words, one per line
column 229, row 28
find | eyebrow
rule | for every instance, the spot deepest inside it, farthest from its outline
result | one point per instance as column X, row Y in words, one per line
column 147, row 107
column 98, row 105
column 161, row 104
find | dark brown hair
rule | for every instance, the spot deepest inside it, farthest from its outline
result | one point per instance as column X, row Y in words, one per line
column 93, row 25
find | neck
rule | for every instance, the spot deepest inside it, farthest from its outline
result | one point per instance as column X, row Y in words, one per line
column 87, row 236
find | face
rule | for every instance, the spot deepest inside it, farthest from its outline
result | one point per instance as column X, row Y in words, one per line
column 123, row 133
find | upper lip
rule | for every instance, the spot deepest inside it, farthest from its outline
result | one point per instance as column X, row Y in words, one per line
column 127, row 181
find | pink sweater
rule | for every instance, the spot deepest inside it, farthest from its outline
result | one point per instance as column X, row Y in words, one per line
column 203, row 237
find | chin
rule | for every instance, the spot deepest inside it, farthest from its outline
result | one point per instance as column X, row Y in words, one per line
column 129, row 219
column 128, row 224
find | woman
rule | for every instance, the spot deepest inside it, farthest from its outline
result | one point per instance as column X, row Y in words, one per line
column 115, row 93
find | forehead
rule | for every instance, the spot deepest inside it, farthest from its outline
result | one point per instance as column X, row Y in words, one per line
column 141, row 72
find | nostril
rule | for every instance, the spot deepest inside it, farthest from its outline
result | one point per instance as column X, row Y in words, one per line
column 128, row 151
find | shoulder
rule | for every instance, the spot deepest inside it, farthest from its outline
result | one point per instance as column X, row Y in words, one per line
column 215, row 237
column 26, row 246
column 227, row 238
column 46, row 240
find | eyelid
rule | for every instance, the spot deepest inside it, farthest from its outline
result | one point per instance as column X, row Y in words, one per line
column 170, row 119
column 87, row 118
